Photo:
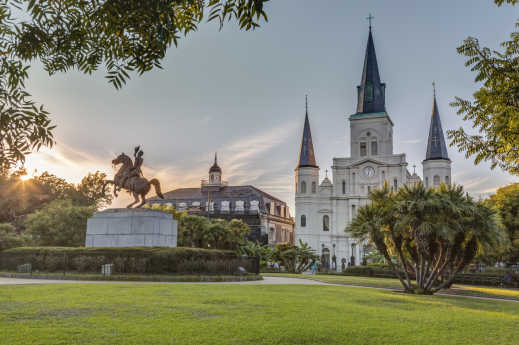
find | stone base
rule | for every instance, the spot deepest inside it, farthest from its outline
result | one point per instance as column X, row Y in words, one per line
column 122, row 227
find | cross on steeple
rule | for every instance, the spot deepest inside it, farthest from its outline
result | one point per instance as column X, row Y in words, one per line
column 414, row 169
column 370, row 19
column 326, row 173
column 306, row 104
column 434, row 88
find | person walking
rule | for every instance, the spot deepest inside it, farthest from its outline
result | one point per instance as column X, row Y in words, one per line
column 314, row 267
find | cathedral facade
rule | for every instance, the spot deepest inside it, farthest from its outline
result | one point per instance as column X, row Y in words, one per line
column 325, row 208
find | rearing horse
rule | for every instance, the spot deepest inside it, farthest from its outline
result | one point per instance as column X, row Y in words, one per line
column 137, row 185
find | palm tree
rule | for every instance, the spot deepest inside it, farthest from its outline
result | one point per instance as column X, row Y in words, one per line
column 435, row 233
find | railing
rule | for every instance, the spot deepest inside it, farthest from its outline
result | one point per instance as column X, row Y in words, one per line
column 206, row 183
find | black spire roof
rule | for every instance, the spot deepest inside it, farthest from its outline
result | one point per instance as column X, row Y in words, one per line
column 215, row 167
column 371, row 92
column 306, row 155
column 436, row 148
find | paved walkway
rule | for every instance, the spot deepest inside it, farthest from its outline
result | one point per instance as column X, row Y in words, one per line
column 265, row 281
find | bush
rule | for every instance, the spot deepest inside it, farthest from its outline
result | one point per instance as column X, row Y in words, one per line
column 492, row 278
column 149, row 260
column 9, row 238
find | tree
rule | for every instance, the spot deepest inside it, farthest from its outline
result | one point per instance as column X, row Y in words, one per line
column 295, row 259
column 9, row 238
column 495, row 108
column 125, row 36
column 59, row 223
column 200, row 232
column 434, row 233
column 506, row 203
column 92, row 192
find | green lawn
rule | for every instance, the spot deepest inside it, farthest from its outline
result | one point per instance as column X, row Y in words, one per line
column 388, row 283
column 246, row 314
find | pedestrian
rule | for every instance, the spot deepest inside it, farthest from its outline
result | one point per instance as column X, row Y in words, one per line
column 314, row 267
column 276, row 266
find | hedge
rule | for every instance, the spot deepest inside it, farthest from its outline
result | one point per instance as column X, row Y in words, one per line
column 147, row 260
column 491, row 278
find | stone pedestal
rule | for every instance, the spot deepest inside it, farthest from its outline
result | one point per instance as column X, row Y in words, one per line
column 124, row 227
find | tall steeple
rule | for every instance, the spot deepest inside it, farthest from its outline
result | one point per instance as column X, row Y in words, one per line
column 436, row 148
column 371, row 92
column 306, row 154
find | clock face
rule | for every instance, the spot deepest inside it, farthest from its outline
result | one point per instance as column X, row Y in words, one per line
column 369, row 171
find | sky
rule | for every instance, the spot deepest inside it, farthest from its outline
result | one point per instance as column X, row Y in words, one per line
column 242, row 94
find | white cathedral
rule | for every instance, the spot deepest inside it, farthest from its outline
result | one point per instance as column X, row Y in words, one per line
column 323, row 210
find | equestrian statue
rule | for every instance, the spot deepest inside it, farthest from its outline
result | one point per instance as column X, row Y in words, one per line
column 129, row 177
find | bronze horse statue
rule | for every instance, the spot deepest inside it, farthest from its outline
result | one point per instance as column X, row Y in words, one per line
column 129, row 177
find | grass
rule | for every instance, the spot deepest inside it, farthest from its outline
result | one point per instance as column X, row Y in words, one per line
column 246, row 314
column 390, row 283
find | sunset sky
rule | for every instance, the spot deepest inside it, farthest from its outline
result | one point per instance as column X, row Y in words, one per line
column 242, row 94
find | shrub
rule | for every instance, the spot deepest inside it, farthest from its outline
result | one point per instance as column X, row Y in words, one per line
column 154, row 260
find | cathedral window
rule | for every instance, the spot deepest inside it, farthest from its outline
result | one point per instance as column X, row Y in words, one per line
column 353, row 185
column 436, row 180
column 447, row 180
column 374, row 148
column 395, row 184
column 426, row 182
column 326, row 223
column 343, row 187
column 363, row 149
column 353, row 211
column 314, row 187
column 303, row 187
column 383, row 176
column 303, row 221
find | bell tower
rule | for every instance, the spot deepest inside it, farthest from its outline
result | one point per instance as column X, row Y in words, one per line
column 437, row 165
column 371, row 128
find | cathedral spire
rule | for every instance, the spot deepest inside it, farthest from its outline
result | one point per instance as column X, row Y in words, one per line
column 436, row 147
column 306, row 154
column 371, row 91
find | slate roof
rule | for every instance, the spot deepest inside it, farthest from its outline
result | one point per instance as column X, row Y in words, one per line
column 228, row 193
column 436, row 147
column 306, row 153
column 371, row 92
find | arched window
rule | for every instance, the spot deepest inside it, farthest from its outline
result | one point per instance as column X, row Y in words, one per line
column 447, row 180
column 374, row 148
column 426, row 182
column 353, row 211
column 369, row 92
column 314, row 187
column 363, row 149
column 303, row 221
column 383, row 176
column 343, row 187
column 353, row 184
column 326, row 223
column 436, row 180
column 395, row 184
column 303, row 187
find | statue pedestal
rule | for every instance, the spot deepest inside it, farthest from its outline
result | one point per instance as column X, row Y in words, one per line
column 123, row 227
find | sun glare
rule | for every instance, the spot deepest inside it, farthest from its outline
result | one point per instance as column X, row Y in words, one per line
column 25, row 177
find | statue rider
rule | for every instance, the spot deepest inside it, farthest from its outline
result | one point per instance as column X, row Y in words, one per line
column 135, row 171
